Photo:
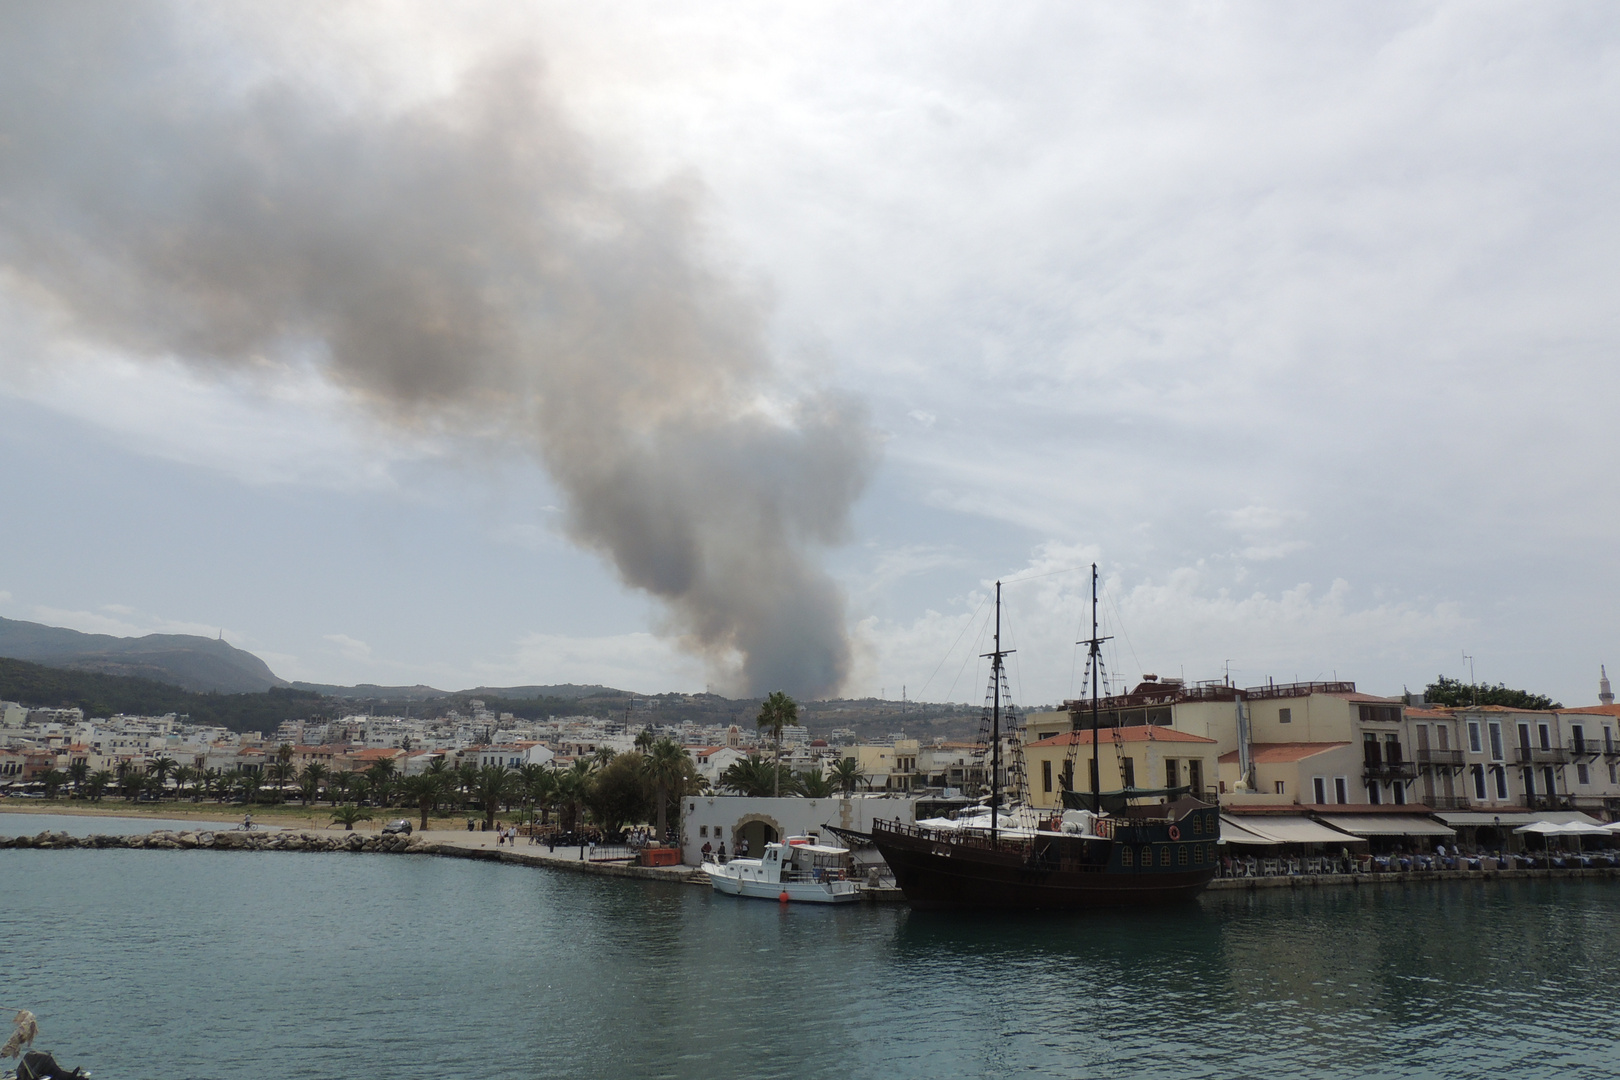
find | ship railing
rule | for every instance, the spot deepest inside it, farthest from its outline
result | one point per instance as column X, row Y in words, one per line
column 955, row 837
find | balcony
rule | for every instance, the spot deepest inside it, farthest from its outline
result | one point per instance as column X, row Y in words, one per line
column 1390, row 770
column 1585, row 749
column 1536, row 755
column 1449, row 802
column 1549, row 802
column 1445, row 759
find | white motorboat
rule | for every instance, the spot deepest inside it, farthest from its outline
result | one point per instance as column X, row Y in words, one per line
column 799, row 871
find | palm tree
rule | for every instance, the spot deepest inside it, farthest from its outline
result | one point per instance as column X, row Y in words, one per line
column 573, row 789
column 77, row 772
column 424, row 790
column 494, row 786
column 667, row 766
column 536, row 782
column 338, row 786
column 347, row 814
column 756, row 777
column 645, row 739
column 161, row 768
column 311, row 780
column 53, row 779
column 467, row 779
column 815, row 784
column 183, row 776
column 248, row 783
column 847, row 773
column 603, row 755
column 776, row 713
column 97, row 784
column 281, row 771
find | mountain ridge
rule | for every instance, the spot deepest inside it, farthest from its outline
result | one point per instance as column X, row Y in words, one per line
column 189, row 661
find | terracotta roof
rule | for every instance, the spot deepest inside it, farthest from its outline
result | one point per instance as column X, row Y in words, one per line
column 1143, row 733
column 1281, row 753
column 1371, row 698
column 1429, row 714
column 1594, row 710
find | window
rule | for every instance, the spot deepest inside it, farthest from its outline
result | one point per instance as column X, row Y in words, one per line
column 1547, row 775
column 1496, row 742
column 703, row 830
column 1577, row 735
column 1398, row 790
column 1172, row 773
column 1545, row 734
column 1164, row 855
column 1524, row 739
column 1614, row 773
column 1372, row 792
column 1608, row 740
column 1280, row 790
column 1341, row 789
column 1501, row 782
column 1319, row 786
column 1582, row 775
column 1479, row 781
column 1130, row 772
column 1442, row 735
column 1181, row 854
column 1285, row 716
column 1046, row 776
column 1473, row 736
column 1127, row 855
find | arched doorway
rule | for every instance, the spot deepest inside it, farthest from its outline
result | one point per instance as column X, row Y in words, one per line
column 758, row 830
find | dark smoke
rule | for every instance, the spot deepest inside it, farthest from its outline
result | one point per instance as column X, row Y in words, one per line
column 464, row 259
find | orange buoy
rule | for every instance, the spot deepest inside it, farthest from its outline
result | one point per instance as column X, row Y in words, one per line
column 783, row 897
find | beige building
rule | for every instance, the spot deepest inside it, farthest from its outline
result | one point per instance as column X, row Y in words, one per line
column 1140, row 757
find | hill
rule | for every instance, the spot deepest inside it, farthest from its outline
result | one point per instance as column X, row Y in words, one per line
column 103, row 695
column 194, row 663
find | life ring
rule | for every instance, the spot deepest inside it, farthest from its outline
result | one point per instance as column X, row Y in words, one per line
column 1175, row 833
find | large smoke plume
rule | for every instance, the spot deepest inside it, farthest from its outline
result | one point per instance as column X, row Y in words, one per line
column 463, row 258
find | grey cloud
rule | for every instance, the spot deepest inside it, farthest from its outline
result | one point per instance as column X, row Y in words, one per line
column 463, row 262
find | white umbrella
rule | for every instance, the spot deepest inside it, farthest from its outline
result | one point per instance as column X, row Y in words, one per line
column 1542, row 828
column 1581, row 828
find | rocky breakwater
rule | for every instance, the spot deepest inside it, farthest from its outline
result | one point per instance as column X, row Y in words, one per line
column 286, row 840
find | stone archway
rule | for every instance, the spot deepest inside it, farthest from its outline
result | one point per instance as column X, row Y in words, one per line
column 758, row 830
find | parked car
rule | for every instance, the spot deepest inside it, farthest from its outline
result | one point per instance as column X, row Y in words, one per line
column 397, row 826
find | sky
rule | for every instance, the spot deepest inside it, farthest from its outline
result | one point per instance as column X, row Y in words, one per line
column 1297, row 320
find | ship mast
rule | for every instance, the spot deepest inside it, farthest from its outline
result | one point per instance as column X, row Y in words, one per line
column 1094, row 661
column 995, row 718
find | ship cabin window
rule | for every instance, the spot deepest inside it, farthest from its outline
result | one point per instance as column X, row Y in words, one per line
column 1280, row 788
column 1164, row 855
column 1127, row 855
column 1285, row 716
column 1319, row 788
column 1181, row 854
column 1046, row 776
column 1341, row 789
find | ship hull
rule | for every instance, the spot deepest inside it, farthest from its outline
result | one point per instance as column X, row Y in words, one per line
column 1048, row 872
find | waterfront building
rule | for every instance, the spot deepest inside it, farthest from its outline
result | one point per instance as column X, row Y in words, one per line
column 1145, row 756
column 731, row 819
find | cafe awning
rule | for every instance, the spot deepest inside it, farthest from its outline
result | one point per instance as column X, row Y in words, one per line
column 1476, row 818
column 1284, row 829
column 1234, row 833
column 1365, row 825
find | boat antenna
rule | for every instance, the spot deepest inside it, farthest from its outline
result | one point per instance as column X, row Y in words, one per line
column 995, row 717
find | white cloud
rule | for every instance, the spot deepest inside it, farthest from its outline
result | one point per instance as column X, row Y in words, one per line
column 351, row 648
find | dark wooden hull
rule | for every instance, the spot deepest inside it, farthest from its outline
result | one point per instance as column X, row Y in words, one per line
column 937, row 871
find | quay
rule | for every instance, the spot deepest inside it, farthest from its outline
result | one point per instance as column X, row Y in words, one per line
column 455, row 844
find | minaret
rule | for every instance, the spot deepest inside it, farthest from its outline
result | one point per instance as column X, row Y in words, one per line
column 1605, row 694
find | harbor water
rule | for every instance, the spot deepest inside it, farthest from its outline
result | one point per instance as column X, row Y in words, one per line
column 178, row 964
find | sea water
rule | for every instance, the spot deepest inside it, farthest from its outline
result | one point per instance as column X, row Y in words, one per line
column 273, row 965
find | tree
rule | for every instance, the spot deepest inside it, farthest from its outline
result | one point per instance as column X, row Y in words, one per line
column 161, row 768
column 493, row 787
column 620, row 792
column 573, row 790
column 281, row 771
column 98, row 783
column 847, row 774
column 1455, row 693
column 77, row 772
column 467, row 779
column 536, row 782
column 53, row 779
column 667, row 766
column 815, row 784
column 337, row 787
column 645, row 739
column 424, row 790
column 184, row 777
column 347, row 815
column 311, row 780
column 756, row 777
column 776, row 713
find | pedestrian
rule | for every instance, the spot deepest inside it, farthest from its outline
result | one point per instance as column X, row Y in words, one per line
column 722, row 852
column 708, row 850
column 469, row 824
column 551, row 843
